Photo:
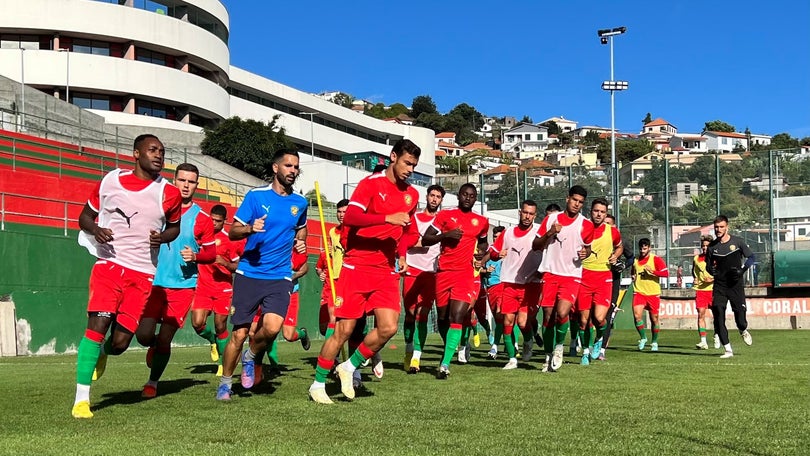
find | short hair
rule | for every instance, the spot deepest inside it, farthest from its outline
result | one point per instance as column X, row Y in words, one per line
column 219, row 210
column 643, row 242
column 379, row 168
column 468, row 184
column 342, row 203
column 601, row 201
column 610, row 216
column 721, row 218
column 497, row 230
column 706, row 238
column 187, row 167
column 279, row 155
column 141, row 138
column 438, row 188
column 553, row 207
column 528, row 202
column 578, row 190
column 406, row 146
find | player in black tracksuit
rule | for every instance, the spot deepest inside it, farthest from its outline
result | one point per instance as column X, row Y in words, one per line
column 727, row 259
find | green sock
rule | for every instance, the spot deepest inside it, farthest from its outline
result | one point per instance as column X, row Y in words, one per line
column 453, row 338
column 208, row 332
column 562, row 329
column 321, row 373
column 581, row 336
column 408, row 328
column 272, row 354
column 600, row 330
column 509, row 344
column 329, row 331
column 654, row 330
column 86, row 361
column 357, row 359
column 498, row 332
column 301, row 333
column 159, row 363
column 465, row 336
column 221, row 344
column 588, row 341
column 640, row 328
column 549, row 333
column 419, row 335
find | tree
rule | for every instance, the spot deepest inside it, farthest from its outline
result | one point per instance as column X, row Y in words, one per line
column 422, row 104
column 248, row 145
column 591, row 138
column 647, row 119
column 434, row 121
column 805, row 141
column 553, row 128
column 526, row 119
column 719, row 125
column 343, row 99
column 627, row 150
column 784, row 141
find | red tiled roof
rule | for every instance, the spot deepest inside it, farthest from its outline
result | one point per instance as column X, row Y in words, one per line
column 727, row 135
column 500, row 169
column 476, row 146
column 441, row 153
column 446, row 134
column 657, row 122
column 449, row 145
column 532, row 164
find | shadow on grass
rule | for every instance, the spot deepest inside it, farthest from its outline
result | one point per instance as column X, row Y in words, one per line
column 202, row 369
column 731, row 448
column 165, row 388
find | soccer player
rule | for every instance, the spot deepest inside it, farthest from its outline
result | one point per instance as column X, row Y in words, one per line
column 727, row 259
column 566, row 237
column 492, row 283
column 336, row 250
column 647, row 269
column 460, row 232
column 379, row 209
column 596, row 290
column 215, row 289
column 520, row 279
column 419, row 288
column 175, row 279
column 137, row 211
column 616, row 269
column 703, row 290
column 263, row 278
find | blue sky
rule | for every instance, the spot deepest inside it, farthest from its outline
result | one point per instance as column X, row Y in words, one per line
column 746, row 63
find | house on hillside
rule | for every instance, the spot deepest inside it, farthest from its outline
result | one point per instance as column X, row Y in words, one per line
column 688, row 143
column 584, row 130
column 759, row 140
column 659, row 132
column 724, row 141
column 680, row 193
column 566, row 126
column 525, row 139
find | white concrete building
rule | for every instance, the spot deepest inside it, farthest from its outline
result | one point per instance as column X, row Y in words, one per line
column 524, row 140
column 726, row 142
column 566, row 126
column 685, row 143
column 167, row 65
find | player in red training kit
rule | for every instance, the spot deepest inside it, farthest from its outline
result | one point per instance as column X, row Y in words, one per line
column 379, row 209
column 460, row 231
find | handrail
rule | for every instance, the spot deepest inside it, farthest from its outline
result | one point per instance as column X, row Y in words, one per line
column 4, row 212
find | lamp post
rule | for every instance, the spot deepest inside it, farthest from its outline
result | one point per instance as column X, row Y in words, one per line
column 311, row 131
column 606, row 37
column 67, row 76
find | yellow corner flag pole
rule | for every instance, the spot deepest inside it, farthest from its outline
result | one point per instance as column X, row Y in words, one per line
column 329, row 270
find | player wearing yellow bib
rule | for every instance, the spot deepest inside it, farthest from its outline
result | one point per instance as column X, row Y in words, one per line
column 703, row 290
column 647, row 291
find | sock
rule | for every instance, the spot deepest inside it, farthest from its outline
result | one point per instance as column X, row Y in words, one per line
column 509, row 340
column 600, row 330
column 207, row 332
column 249, row 355
column 498, row 332
column 702, row 333
column 655, row 329
column 419, row 335
column 222, row 342
column 358, row 357
column 272, row 354
column 82, row 393
column 588, row 340
column 581, row 336
column 728, row 348
column 296, row 335
column 408, row 328
column 549, row 333
column 562, row 327
column 159, row 363
column 453, row 338
column 640, row 329
column 226, row 381
column 322, row 369
column 465, row 336
column 87, row 358
column 330, row 329
column 417, row 355
column 444, row 326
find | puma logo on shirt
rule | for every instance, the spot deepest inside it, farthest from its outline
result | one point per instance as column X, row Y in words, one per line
column 128, row 218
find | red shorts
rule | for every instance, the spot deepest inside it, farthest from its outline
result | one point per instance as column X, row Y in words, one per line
column 596, row 290
column 454, row 285
column 361, row 292
column 292, row 310
column 120, row 291
column 169, row 305
column 212, row 300
column 557, row 288
column 477, row 287
column 326, row 294
column 419, row 289
column 520, row 297
column 651, row 303
column 495, row 295
column 703, row 299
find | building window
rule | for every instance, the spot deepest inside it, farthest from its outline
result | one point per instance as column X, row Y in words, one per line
column 724, row 141
column 19, row 42
column 91, row 47
column 148, row 108
column 145, row 55
column 687, row 190
column 528, row 137
column 90, row 101
column 539, row 136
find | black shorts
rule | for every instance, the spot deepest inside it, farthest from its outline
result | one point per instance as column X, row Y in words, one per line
column 249, row 294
